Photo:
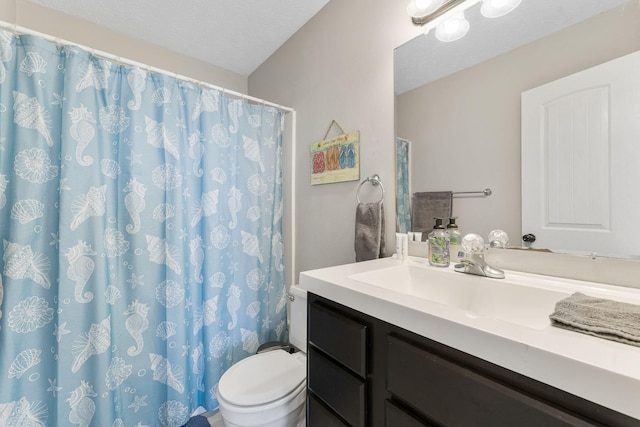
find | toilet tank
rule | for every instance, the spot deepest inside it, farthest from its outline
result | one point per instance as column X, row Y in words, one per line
column 298, row 317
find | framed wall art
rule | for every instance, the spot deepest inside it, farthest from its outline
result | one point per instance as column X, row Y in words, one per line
column 336, row 159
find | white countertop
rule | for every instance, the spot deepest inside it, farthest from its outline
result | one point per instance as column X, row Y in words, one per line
column 599, row 370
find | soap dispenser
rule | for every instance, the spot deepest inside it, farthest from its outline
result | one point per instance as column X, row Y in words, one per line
column 455, row 238
column 439, row 245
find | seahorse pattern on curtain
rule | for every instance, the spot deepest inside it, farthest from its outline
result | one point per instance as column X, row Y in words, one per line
column 403, row 198
column 140, row 218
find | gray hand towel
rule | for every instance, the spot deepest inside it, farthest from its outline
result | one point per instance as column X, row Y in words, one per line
column 427, row 205
column 612, row 320
column 369, row 239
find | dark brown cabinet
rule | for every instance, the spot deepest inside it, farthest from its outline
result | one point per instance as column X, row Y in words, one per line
column 339, row 378
column 365, row 372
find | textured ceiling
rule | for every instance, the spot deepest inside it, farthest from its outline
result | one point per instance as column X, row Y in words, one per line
column 237, row 35
column 414, row 61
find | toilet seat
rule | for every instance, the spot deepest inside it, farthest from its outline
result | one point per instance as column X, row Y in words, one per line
column 262, row 378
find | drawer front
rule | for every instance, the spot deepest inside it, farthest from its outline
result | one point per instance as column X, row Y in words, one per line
column 396, row 417
column 319, row 416
column 340, row 337
column 339, row 389
column 452, row 395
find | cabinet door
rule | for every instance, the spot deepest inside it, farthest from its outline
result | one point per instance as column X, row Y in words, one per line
column 452, row 395
column 397, row 417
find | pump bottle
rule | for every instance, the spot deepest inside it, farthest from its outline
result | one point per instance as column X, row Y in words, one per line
column 455, row 238
column 439, row 245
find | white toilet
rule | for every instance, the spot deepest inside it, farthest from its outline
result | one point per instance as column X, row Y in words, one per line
column 269, row 389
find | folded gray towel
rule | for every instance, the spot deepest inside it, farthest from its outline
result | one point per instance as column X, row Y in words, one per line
column 427, row 205
column 369, row 239
column 612, row 320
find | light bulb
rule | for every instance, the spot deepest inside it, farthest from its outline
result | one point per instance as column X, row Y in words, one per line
column 497, row 8
column 453, row 28
column 420, row 8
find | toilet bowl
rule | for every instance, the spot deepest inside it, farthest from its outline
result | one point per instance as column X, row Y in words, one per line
column 269, row 389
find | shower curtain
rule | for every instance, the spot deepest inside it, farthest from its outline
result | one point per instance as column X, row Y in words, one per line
column 142, row 252
column 403, row 196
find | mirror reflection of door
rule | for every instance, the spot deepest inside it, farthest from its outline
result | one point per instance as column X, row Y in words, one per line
column 573, row 130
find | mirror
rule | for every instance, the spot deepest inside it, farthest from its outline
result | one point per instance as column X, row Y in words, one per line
column 461, row 112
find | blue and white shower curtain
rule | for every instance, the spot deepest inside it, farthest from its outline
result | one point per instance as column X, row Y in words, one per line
column 142, row 252
column 403, row 196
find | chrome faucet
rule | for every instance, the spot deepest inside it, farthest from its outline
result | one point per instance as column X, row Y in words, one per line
column 472, row 259
column 475, row 264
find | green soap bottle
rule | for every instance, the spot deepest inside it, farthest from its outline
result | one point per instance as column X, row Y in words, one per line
column 455, row 238
column 439, row 245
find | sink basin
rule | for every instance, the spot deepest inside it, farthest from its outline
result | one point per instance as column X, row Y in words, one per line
column 478, row 297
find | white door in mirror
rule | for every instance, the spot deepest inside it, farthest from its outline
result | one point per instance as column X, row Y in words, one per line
column 573, row 130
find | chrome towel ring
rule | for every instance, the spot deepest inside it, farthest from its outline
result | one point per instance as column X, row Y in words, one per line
column 376, row 182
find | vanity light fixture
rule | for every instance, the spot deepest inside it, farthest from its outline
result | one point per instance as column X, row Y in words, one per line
column 420, row 8
column 497, row 8
column 447, row 16
column 453, row 28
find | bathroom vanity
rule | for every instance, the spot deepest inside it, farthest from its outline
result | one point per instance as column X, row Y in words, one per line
column 389, row 346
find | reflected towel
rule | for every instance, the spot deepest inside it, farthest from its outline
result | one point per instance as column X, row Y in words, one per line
column 427, row 205
column 612, row 320
column 369, row 239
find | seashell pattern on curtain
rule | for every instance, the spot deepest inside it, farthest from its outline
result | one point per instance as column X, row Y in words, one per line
column 403, row 196
column 141, row 232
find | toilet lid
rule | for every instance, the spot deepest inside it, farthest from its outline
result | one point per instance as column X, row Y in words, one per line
column 262, row 378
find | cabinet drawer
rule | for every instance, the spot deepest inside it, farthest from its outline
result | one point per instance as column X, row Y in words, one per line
column 397, row 417
column 340, row 337
column 452, row 395
column 319, row 416
column 337, row 388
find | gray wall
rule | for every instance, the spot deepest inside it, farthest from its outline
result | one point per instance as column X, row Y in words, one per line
column 338, row 66
column 465, row 128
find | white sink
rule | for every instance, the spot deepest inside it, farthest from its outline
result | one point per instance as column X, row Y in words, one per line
column 478, row 297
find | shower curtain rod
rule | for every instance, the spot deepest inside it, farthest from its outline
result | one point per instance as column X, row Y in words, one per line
column 23, row 30
column 292, row 269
